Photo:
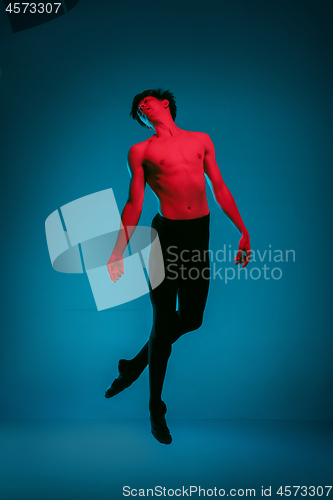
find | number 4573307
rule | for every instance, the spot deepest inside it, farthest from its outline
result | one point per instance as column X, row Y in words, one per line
column 32, row 8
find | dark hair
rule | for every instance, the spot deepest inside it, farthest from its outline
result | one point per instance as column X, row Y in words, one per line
column 160, row 94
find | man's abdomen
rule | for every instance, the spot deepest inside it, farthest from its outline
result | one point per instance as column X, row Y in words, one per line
column 184, row 205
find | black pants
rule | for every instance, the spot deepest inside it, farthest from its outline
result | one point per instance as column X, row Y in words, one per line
column 185, row 245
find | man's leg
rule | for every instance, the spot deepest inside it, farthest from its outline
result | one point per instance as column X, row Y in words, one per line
column 192, row 286
column 192, row 296
column 192, row 291
column 163, row 298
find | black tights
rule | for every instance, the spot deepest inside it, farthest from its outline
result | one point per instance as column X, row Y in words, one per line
column 184, row 245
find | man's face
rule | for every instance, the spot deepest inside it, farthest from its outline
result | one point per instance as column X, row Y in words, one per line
column 149, row 109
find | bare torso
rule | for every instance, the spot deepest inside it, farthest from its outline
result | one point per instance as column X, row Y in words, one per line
column 174, row 170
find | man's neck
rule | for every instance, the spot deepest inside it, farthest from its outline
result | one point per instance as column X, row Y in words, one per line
column 166, row 129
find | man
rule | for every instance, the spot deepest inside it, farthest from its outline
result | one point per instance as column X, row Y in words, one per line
column 174, row 163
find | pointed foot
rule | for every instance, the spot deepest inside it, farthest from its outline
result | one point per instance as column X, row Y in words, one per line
column 159, row 428
column 125, row 378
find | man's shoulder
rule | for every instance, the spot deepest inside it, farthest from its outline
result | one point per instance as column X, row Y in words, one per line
column 204, row 138
column 200, row 135
column 138, row 149
column 140, row 146
column 136, row 152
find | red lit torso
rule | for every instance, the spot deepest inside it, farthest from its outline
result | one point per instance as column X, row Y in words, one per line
column 174, row 171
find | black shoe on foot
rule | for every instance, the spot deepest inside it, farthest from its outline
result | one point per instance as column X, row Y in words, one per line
column 125, row 378
column 159, row 428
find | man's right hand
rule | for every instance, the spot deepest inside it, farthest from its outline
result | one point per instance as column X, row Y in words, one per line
column 115, row 267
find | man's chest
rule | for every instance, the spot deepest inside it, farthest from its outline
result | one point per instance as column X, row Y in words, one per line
column 180, row 150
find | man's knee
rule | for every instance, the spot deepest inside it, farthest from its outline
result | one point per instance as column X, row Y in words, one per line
column 192, row 323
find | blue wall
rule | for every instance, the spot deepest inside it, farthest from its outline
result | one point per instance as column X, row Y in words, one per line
column 257, row 76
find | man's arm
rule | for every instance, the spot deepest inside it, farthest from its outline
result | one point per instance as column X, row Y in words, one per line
column 225, row 200
column 131, row 213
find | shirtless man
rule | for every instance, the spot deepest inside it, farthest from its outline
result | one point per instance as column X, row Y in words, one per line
column 174, row 163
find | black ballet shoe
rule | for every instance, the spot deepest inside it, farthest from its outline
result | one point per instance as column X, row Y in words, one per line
column 159, row 428
column 125, row 378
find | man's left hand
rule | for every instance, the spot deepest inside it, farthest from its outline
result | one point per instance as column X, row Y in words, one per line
column 244, row 252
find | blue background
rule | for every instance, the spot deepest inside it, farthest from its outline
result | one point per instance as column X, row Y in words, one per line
column 255, row 75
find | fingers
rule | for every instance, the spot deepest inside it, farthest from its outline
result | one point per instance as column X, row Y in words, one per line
column 115, row 277
column 236, row 259
column 115, row 274
column 239, row 257
column 243, row 256
column 247, row 259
